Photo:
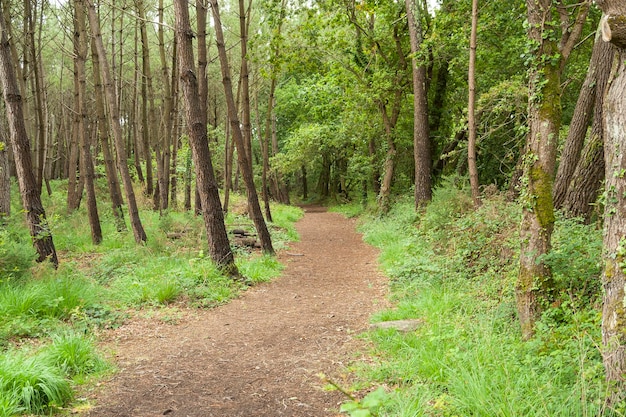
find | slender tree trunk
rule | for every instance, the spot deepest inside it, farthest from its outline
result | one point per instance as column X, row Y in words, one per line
column 38, row 91
column 35, row 214
column 148, row 126
column 73, row 196
column 176, row 126
column 229, row 153
column 471, row 116
column 169, row 163
column 188, row 173
column 421, row 140
column 135, row 131
column 253, row 200
column 219, row 247
column 591, row 90
column 245, row 83
column 81, row 48
column 5, row 180
column 305, row 183
column 114, row 118
column 203, row 85
column 265, row 162
column 614, row 253
column 389, row 122
column 113, row 182
column 384, row 197
column 281, row 186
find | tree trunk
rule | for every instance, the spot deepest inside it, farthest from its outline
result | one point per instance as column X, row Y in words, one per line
column 592, row 89
column 535, row 284
column 587, row 179
column 384, row 197
column 5, row 180
column 169, row 161
column 265, row 162
column 245, row 83
column 305, row 183
column 114, row 118
column 87, row 172
column 253, row 199
column 38, row 91
column 188, row 185
column 421, row 140
column 219, row 246
column 148, row 125
column 113, row 182
column 471, row 111
column 35, row 214
column 614, row 253
column 229, row 153
column 73, row 197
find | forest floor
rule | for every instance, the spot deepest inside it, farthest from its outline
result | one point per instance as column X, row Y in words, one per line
column 259, row 355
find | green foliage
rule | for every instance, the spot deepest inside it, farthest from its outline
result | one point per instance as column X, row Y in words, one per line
column 16, row 253
column 74, row 354
column 260, row 268
column 31, row 385
column 368, row 406
column 454, row 268
column 99, row 287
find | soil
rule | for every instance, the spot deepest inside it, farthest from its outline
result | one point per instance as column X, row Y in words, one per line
column 261, row 354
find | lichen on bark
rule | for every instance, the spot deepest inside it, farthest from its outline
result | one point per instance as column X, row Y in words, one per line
column 542, row 191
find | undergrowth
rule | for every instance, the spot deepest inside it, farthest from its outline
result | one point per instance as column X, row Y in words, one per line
column 49, row 318
column 454, row 268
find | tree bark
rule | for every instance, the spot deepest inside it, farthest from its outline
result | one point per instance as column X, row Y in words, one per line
column 113, row 182
column 471, row 111
column 219, row 246
column 534, row 283
column 114, row 119
column 253, row 199
column 587, row 179
column 591, row 90
column 421, row 139
column 35, row 214
column 169, row 161
column 80, row 49
column 148, row 125
column 245, row 83
column 5, row 180
column 614, row 253
column 73, row 196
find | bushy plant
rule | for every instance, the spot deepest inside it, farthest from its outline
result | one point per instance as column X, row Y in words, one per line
column 74, row 354
column 16, row 254
column 454, row 268
column 32, row 385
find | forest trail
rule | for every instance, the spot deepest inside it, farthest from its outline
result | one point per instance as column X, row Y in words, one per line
column 259, row 355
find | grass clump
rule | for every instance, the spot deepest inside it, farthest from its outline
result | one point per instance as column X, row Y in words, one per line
column 74, row 354
column 454, row 267
column 30, row 385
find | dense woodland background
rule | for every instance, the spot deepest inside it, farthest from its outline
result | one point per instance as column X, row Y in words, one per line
column 179, row 104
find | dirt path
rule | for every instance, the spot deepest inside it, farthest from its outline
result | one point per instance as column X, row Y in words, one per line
column 260, row 354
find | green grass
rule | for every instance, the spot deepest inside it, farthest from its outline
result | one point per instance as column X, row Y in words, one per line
column 455, row 268
column 30, row 384
column 100, row 286
column 74, row 354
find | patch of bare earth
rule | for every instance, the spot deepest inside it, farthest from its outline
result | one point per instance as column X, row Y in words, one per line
column 259, row 355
